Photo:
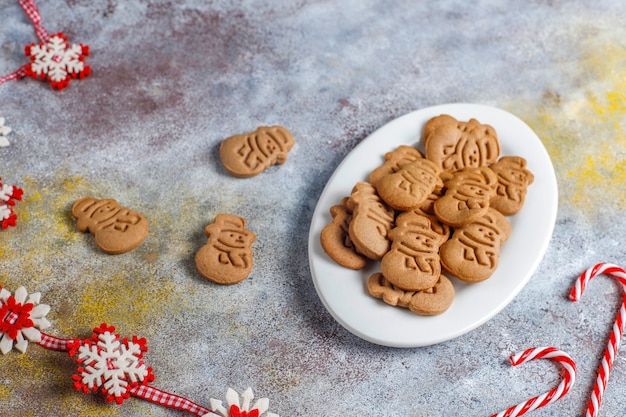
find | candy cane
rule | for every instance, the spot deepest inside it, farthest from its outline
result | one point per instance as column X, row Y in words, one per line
column 615, row 338
column 550, row 396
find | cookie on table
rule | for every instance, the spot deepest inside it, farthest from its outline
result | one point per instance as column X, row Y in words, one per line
column 473, row 251
column 116, row 229
column 467, row 196
column 413, row 262
column 410, row 186
column 513, row 182
column 226, row 258
column 395, row 160
column 335, row 238
column 251, row 153
column 429, row 302
column 372, row 220
column 454, row 145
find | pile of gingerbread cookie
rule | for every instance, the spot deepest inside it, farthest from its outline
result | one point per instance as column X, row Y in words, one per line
column 421, row 215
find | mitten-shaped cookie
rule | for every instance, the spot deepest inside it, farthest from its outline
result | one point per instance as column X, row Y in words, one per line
column 371, row 220
column 250, row 154
column 395, row 160
column 335, row 238
column 467, row 196
column 513, row 182
column 413, row 263
column 473, row 251
column 226, row 258
column 454, row 145
column 116, row 229
column 410, row 186
column 429, row 302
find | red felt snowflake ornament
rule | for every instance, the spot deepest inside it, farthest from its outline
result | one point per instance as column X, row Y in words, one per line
column 8, row 195
column 57, row 61
column 109, row 364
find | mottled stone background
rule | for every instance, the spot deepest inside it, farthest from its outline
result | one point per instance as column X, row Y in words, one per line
column 171, row 79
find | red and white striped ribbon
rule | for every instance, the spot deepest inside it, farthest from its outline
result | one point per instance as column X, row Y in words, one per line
column 617, row 331
column 16, row 75
column 144, row 392
column 56, row 343
column 155, row 395
column 556, row 393
column 34, row 16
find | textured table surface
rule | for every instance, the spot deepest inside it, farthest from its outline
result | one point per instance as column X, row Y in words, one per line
column 171, row 79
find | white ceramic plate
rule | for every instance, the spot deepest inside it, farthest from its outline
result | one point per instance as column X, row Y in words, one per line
column 344, row 291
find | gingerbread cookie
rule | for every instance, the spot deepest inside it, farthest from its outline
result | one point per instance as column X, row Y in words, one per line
column 371, row 221
column 335, row 238
column 429, row 302
column 467, row 196
column 116, row 229
column 226, row 258
column 410, row 186
column 394, row 161
column 413, row 263
column 454, row 145
column 473, row 251
column 513, row 182
column 250, row 154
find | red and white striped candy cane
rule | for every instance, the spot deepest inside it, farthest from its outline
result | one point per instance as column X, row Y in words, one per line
column 554, row 394
column 615, row 338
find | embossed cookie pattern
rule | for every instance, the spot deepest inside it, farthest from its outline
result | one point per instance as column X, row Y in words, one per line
column 116, row 229
column 226, row 258
column 251, row 153
column 335, row 238
column 513, row 182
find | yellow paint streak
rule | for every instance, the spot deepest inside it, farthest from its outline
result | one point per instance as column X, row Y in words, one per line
column 584, row 133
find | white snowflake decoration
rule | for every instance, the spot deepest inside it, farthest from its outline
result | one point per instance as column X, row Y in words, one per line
column 4, row 131
column 22, row 318
column 110, row 365
column 57, row 61
column 243, row 409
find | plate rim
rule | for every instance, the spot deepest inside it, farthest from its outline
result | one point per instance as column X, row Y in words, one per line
column 453, row 109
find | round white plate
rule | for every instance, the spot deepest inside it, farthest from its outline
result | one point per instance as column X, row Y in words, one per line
column 344, row 291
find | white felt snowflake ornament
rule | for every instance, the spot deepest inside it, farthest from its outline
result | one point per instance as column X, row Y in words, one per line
column 4, row 131
column 110, row 365
column 22, row 318
column 8, row 195
column 243, row 409
column 57, row 61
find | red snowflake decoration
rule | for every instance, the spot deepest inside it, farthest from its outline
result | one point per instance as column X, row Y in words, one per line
column 8, row 195
column 15, row 317
column 57, row 61
column 109, row 364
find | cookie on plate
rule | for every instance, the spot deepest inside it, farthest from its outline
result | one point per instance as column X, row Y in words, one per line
column 335, row 238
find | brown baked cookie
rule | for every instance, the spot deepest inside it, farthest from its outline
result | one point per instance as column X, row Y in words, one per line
column 454, row 145
column 226, row 258
column 116, row 229
column 394, row 161
column 438, row 121
column 335, row 238
column 429, row 302
column 371, row 221
column 250, row 154
column 473, row 251
column 513, row 182
column 467, row 196
column 413, row 263
column 410, row 186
